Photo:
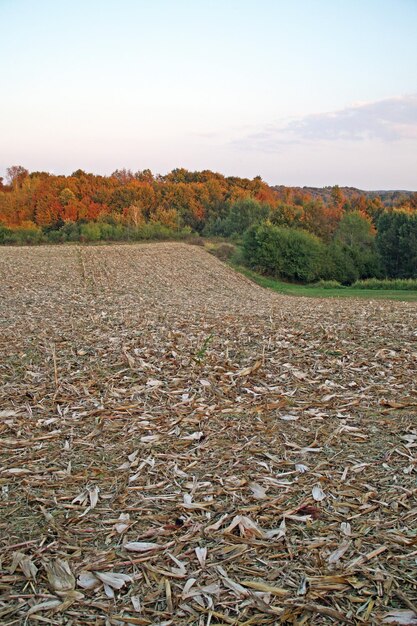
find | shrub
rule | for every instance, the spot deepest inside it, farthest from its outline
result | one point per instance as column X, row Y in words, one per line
column 329, row 284
column 224, row 251
column 101, row 230
column 4, row 234
column 338, row 264
column 90, row 231
column 284, row 252
column 70, row 232
column 195, row 240
column 55, row 236
column 108, row 232
column 154, row 230
column 21, row 236
column 406, row 284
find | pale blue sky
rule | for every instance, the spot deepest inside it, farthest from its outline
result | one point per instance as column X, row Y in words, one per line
column 302, row 92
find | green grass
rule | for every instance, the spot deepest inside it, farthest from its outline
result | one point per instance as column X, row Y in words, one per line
column 315, row 291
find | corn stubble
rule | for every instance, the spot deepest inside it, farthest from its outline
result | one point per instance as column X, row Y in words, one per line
column 150, row 475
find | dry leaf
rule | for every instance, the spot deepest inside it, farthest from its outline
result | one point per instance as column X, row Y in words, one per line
column 60, row 576
column 194, row 436
column 135, row 600
column 318, row 493
column 257, row 490
column 113, row 579
column 142, row 546
column 93, row 495
column 44, row 606
column 234, row 586
column 400, row 616
column 337, row 554
column 7, row 413
column 249, row 370
column 261, row 586
column 25, row 563
column 109, row 580
column 154, row 383
column 201, row 554
column 123, row 523
column 130, row 359
column 246, row 526
column 277, row 533
column 150, row 438
column 87, row 580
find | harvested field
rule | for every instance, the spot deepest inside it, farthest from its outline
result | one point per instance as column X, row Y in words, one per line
column 180, row 446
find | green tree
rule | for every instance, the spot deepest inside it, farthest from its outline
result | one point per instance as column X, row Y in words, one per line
column 241, row 214
column 355, row 235
column 397, row 244
column 339, row 265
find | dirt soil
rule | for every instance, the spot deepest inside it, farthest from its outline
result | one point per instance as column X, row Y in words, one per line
column 181, row 446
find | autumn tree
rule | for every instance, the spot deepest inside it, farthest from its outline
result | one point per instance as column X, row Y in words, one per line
column 15, row 174
column 124, row 176
column 144, row 176
column 66, row 196
column 134, row 215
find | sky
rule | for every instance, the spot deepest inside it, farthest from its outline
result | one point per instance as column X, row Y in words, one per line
column 300, row 92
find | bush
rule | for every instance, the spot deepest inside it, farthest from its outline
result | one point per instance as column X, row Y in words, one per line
column 4, row 234
column 284, row 252
column 102, row 230
column 195, row 240
column 224, row 251
column 70, row 232
column 339, row 265
column 401, row 284
column 90, row 231
column 329, row 284
column 155, row 230
column 29, row 235
column 55, row 236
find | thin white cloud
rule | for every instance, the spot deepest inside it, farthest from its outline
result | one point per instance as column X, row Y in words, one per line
column 392, row 119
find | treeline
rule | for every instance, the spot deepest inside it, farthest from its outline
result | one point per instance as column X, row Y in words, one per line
column 287, row 232
column 178, row 200
column 390, row 198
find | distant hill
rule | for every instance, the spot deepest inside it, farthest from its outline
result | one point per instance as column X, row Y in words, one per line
column 388, row 197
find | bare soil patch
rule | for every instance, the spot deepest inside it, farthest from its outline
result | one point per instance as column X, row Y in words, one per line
column 180, row 446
